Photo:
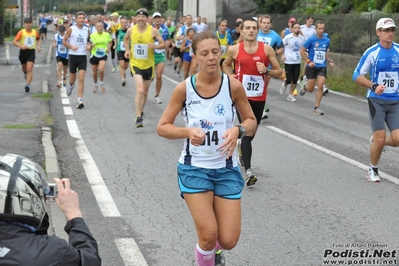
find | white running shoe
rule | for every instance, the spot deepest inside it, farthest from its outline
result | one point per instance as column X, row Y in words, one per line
column 264, row 115
column 69, row 89
column 291, row 98
column 318, row 111
column 302, row 89
column 372, row 175
column 250, row 178
column 325, row 90
column 157, row 100
column 282, row 88
column 80, row 104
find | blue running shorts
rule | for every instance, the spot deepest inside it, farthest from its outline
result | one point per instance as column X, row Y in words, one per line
column 225, row 182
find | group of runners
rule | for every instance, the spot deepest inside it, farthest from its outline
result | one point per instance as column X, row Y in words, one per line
column 223, row 70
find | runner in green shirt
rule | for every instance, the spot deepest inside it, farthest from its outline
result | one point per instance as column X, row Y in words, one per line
column 120, row 50
column 101, row 42
column 169, row 47
column 159, row 55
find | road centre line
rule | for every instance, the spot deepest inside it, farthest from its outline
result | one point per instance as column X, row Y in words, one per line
column 130, row 252
column 128, row 248
column 65, row 101
column 68, row 110
column 100, row 190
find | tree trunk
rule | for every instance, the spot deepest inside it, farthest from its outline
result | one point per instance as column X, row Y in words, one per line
column 2, row 27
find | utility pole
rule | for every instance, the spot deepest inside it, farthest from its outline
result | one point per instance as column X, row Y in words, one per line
column 30, row 9
column 2, row 27
column 21, row 11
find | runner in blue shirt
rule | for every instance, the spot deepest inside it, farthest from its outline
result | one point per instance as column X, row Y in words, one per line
column 43, row 23
column 315, row 53
column 288, row 30
column 381, row 62
column 61, row 55
column 270, row 37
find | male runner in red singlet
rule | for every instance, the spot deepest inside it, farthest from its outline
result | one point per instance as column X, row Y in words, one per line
column 251, row 59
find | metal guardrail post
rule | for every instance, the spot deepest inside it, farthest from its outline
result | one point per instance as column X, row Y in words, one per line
column 7, row 46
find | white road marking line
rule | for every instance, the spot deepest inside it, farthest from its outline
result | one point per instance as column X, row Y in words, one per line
column 130, row 252
column 68, row 110
column 63, row 93
column 330, row 91
column 103, row 196
column 348, row 96
column 65, row 101
column 333, row 154
column 170, row 80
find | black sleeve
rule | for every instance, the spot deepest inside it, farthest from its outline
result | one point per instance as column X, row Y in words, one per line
column 278, row 46
column 82, row 248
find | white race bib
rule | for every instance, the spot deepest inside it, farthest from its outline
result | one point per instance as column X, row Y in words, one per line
column 100, row 52
column 29, row 41
column 178, row 43
column 319, row 57
column 224, row 49
column 140, row 51
column 61, row 49
column 191, row 51
column 214, row 128
column 389, row 80
column 265, row 40
column 122, row 46
column 80, row 40
column 253, row 85
column 158, row 51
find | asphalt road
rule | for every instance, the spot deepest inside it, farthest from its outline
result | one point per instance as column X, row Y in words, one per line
column 311, row 199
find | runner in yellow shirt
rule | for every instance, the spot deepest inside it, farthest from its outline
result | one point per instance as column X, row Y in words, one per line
column 27, row 39
column 113, row 26
column 101, row 42
column 140, row 40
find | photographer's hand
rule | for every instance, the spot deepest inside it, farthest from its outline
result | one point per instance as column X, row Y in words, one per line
column 67, row 199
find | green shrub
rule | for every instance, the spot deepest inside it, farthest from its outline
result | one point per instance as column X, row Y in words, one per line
column 344, row 83
column 9, row 23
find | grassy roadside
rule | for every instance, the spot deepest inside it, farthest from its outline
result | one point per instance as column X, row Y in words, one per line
column 8, row 39
column 19, row 126
column 344, row 83
column 45, row 96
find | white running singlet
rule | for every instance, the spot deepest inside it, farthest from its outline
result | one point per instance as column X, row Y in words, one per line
column 79, row 38
column 213, row 115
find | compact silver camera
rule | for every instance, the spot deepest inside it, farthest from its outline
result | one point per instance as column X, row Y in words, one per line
column 53, row 190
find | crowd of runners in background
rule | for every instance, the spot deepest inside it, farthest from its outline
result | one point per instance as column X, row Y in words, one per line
column 247, row 56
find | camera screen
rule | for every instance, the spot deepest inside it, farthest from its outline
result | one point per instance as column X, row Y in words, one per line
column 53, row 192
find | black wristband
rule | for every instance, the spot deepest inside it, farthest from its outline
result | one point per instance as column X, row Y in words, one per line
column 374, row 86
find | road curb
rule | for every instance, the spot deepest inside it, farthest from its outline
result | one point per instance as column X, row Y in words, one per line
column 49, row 53
column 57, row 217
column 45, row 86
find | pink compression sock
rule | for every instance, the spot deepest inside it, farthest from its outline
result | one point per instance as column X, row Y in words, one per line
column 204, row 258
